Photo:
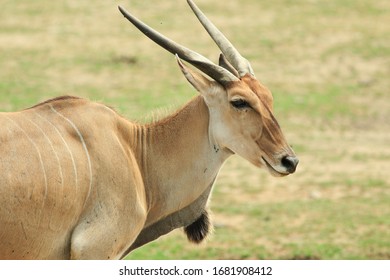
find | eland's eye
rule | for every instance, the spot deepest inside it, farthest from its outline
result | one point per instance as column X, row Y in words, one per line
column 240, row 104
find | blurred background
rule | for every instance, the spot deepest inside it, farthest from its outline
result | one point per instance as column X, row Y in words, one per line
column 327, row 64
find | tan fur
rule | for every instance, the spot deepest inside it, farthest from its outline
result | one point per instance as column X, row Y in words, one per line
column 78, row 181
column 47, row 208
column 52, row 209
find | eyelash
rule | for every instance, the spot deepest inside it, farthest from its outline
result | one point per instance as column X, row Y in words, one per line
column 240, row 104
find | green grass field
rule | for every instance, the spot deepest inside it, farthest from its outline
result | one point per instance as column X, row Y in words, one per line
column 327, row 64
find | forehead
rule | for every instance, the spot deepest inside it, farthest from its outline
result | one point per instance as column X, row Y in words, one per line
column 253, row 91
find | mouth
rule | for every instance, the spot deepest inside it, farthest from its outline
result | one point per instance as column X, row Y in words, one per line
column 272, row 170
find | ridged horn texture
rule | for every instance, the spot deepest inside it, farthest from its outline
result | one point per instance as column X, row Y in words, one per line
column 226, row 64
column 216, row 72
column 233, row 56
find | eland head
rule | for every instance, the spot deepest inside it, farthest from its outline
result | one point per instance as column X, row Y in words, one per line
column 241, row 108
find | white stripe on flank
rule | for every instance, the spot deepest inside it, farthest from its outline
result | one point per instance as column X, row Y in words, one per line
column 67, row 147
column 52, row 147
column 120, row 145
column 39, row 156
column 84, row 146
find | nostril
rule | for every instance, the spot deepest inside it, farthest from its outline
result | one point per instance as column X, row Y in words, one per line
column 290, row 163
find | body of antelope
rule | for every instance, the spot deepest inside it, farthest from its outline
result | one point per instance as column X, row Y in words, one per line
column 79, row 181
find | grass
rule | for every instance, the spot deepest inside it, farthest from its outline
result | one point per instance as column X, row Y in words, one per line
column 327, row 64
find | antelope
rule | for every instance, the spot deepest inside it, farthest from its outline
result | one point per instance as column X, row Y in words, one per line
column 79, row 181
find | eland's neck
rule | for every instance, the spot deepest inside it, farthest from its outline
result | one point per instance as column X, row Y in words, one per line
column 178, row 159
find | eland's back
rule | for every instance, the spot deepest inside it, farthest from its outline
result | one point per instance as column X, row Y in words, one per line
column 55, row 158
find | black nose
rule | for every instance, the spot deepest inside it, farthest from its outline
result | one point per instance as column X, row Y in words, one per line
column 290, row 163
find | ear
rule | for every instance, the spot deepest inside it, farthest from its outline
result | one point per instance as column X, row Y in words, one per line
column 197, row 80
